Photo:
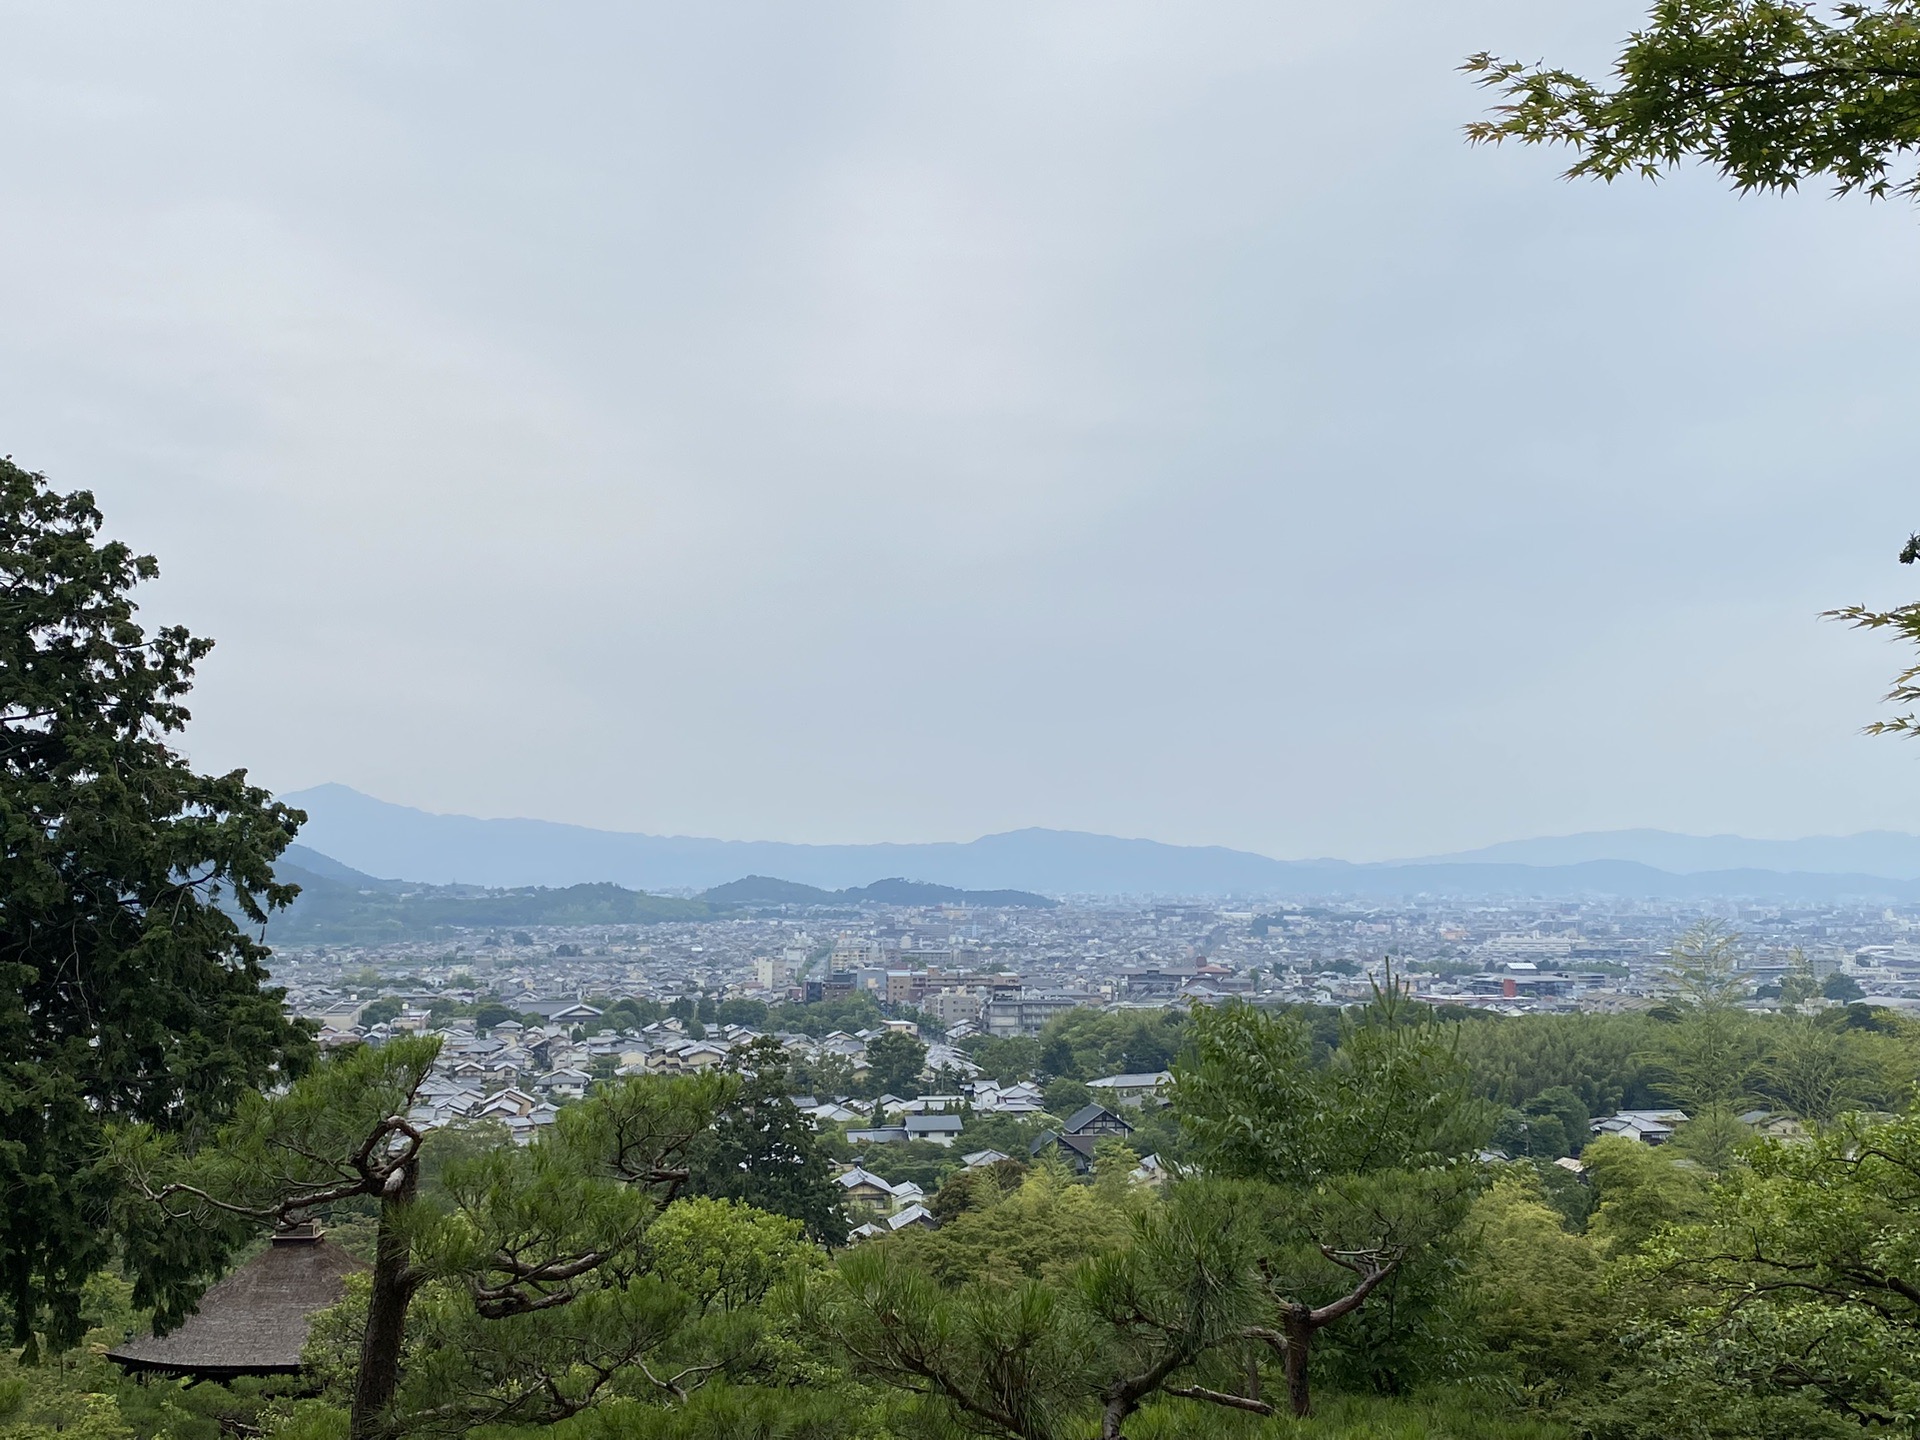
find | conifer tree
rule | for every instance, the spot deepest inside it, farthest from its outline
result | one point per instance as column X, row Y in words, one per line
column 130, row 988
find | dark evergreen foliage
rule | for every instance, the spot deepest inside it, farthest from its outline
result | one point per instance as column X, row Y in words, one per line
column 764, row 1152
column 130, row 987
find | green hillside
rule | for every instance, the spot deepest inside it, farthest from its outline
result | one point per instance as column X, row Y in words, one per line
column 332, row 912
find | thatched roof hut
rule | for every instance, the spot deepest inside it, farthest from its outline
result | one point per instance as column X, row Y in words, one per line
column 255, row 1321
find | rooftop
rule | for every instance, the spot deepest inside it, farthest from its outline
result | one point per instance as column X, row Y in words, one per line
column 255, row 1321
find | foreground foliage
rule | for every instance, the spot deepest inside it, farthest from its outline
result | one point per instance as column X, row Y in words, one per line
column 517, row 1286
column 1769, row 93
column 1795, row 1297
column 129, row 989
column 1336, row 1259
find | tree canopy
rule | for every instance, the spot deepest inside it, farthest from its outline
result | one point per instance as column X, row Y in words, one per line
column 763, row 1151
column 1330, row 1243
column 130, row 987
column 896, row 1061
column 512, row 1288
column 1769, row 93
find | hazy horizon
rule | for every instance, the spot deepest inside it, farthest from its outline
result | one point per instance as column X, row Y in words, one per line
column 858, row 422
column 1494, row 850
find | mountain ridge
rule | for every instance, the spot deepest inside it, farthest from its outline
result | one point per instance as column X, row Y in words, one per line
column 1890, row 853
column 373, row 837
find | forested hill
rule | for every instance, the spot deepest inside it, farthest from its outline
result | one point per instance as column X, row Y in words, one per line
column 339, row 905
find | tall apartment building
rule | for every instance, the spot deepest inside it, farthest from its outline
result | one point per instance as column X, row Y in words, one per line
column 836, row 985
column 1024, row 1014
column 857, row 952
column 949, row 1007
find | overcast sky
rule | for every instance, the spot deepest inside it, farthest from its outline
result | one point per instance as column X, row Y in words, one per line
column 909, row 421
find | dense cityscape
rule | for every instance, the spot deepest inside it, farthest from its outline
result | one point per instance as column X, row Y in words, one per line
column 1007, row 971
column 531, row 1020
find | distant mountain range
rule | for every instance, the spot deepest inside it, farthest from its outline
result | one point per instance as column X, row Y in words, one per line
column 1872, row 852
column 369, row 836
column 382, row 839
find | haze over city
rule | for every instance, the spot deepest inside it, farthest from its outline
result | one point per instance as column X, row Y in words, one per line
column 1045, row 721
column 855, row 423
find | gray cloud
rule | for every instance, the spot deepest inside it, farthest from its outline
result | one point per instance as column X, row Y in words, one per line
column 852, row 422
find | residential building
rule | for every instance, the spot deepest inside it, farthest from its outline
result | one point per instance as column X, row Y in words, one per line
column 1097, row 1121
column 1026, row 1013
column 1130, row 1090
column 951, row 1007
column 857, row 952
column 937, row 1129
column 1651, row 1127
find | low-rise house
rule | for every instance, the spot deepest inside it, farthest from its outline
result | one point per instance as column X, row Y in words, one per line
column 932, row 1104
column 502, row 1104
column 1650, row 1127
column 689, row 1058
column 1098, row 1121
column 936, row 1129
column 569, row 1084
column 460, row 1104
column 955, row 1062
column 1210, row 992
column 861, row 1187
column 1076, row 1151
column 1152, row 1170
column 908, row 1193
column 880, row 1135
column 915, row 1214
column 833, row 1113
column 1130, row 1090
column 561, row 1012
column 1773, row 1125
column 990, row 1098
column 522, row 1128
